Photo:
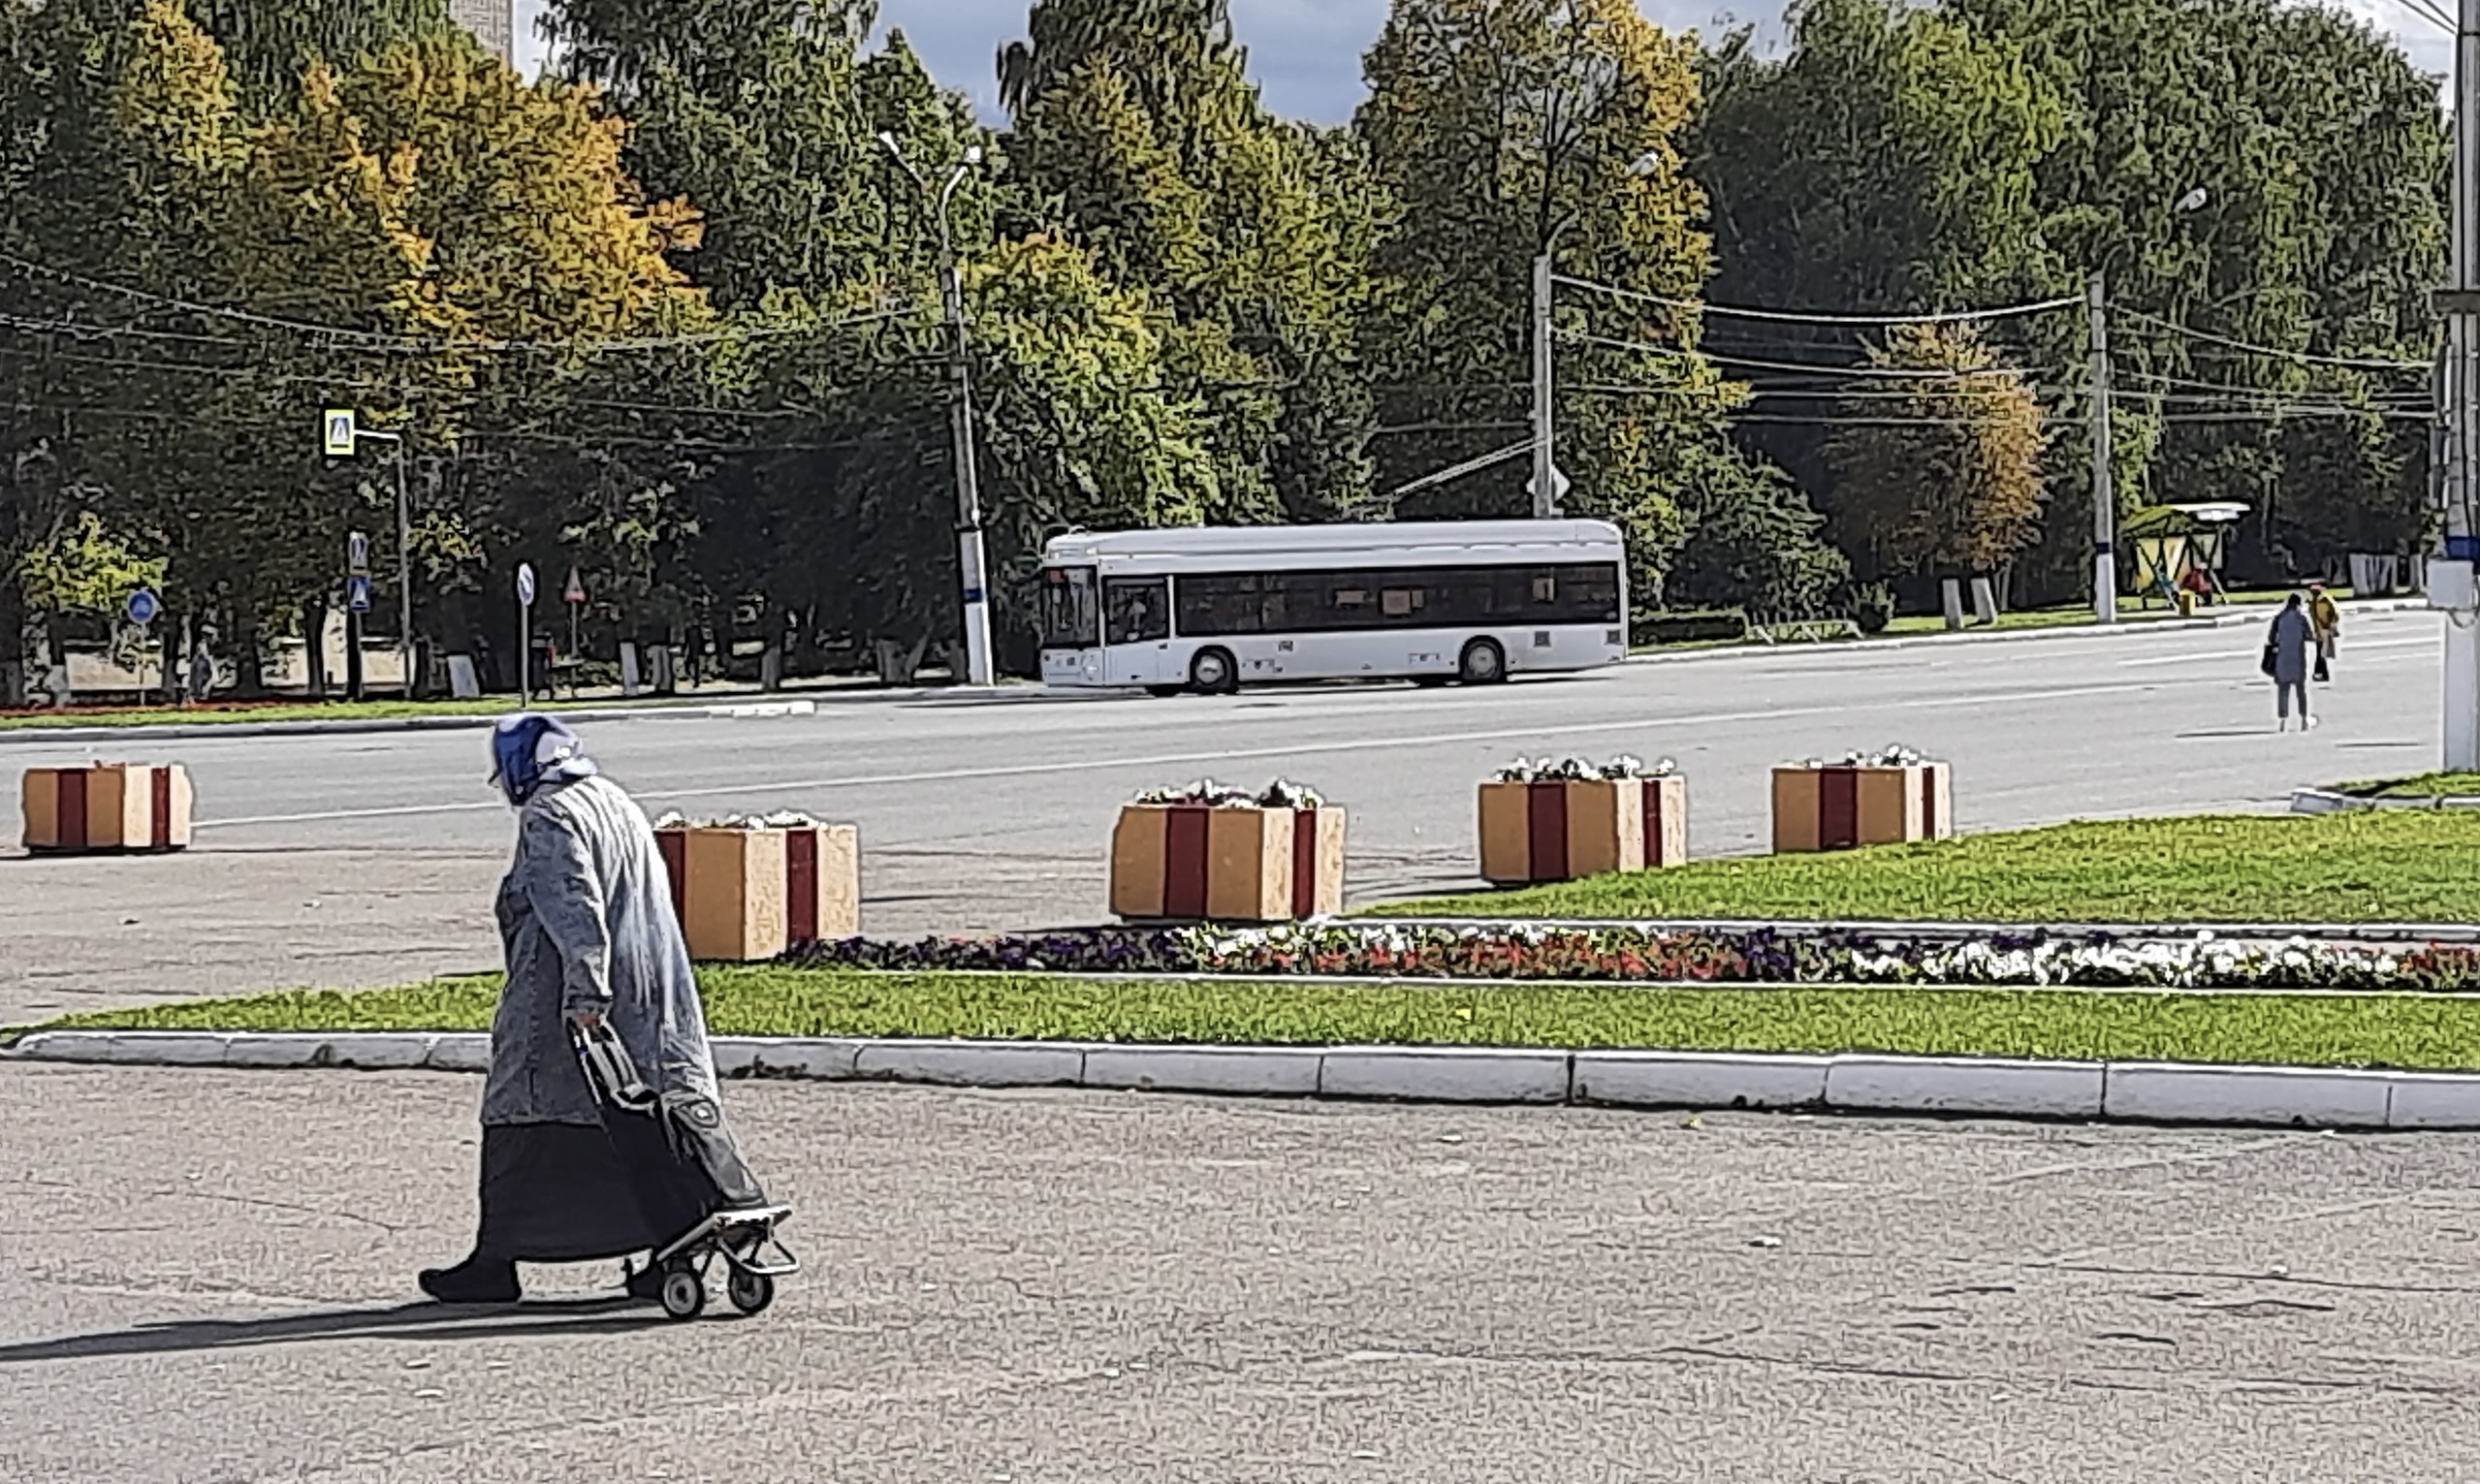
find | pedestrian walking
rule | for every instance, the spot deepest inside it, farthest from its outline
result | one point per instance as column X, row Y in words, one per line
column 2325, row 619
column 592, row 940
column 201, row 674
column 2286, row 653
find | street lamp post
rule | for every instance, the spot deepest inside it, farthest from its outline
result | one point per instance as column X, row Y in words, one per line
column 970, row 558
column 1546, row 467
column 2105, row 492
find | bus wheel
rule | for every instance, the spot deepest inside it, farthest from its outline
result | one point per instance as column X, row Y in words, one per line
column 1484, row 663
column 1214, row 673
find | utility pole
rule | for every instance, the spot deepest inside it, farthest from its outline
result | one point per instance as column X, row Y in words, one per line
column 2105, row 494
column 1545, row 468
column 971, row 560
column 2450, row 579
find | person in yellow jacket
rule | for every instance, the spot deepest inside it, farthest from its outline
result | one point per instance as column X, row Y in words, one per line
column 2325, row 622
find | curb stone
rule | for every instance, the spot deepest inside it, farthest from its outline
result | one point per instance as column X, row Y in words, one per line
column 1672, row 1079
column 1266, row 1071
column 2143, row 1092
column 2318, row 1098
column 2325, row 800
column 2056, row 1090
column 1445, row 1074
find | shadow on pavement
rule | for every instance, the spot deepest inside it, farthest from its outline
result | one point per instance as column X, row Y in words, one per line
column 425, row 1321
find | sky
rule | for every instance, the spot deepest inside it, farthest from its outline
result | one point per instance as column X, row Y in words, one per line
column 1306, row 52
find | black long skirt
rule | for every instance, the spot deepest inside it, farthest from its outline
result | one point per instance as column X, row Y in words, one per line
column 558, row 1193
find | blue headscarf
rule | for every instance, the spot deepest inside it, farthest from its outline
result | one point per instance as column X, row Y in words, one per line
column 529, row 749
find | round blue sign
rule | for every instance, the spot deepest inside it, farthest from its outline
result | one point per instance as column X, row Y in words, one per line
column 143, row 606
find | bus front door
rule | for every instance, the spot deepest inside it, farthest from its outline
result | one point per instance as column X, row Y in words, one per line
column 1136, row 625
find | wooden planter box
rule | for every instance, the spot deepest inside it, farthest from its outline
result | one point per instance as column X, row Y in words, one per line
column 1566, row 830
column 1843, row 808
column 1182, row 862
column 107, row 808
column 745, row 896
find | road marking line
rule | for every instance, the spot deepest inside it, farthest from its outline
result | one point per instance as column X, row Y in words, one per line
column 1226, row 755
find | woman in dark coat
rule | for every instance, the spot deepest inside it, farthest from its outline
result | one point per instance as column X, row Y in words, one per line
column 2290, row 641
column 586, row 923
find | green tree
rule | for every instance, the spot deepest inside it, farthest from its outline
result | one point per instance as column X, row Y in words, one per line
column 1941, row 470
column 1136, row 127
column 1491, row 123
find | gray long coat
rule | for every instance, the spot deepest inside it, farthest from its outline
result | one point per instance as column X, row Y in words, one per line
column 2292, row 635
column 586, row 920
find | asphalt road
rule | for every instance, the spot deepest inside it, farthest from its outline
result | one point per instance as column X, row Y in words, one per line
column 211, row 1273
column 353, row 860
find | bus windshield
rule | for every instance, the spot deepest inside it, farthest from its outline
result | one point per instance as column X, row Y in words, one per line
column 1072, row 615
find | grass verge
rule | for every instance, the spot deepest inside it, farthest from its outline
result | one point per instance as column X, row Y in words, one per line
column 2400, row 866
column 2342, row 1031
column 237, row 713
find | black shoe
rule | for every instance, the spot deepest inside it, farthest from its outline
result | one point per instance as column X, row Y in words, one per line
column 646, row 1284
column 474, row 1280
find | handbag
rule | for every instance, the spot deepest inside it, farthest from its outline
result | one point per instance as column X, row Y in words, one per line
column 2269, row 663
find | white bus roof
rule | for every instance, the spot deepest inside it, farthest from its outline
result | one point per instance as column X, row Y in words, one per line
column 1327, row 540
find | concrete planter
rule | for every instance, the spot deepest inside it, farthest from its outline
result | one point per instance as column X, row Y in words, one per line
column 1188, row 863
column 745, row 896
column 1565, row 830
column 1843, row 807
column 107, row 808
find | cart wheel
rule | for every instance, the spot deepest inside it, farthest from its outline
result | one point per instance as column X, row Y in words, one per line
column 684, row 1293
column 749, row 1292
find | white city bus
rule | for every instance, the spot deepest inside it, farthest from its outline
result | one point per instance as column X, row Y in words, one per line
column 1211, row 609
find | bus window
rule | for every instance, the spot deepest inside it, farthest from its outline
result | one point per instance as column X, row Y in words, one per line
column 1138, row 609
column 1071, row 617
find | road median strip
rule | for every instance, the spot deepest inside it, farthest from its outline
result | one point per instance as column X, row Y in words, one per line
column 1854, row 1083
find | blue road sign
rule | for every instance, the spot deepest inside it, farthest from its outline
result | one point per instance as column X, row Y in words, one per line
column 143, row 606
column 357, row 593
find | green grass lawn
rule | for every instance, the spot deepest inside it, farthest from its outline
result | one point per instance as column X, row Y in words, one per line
column 2402, row 865
column 2369, row 1031
column 232, row 713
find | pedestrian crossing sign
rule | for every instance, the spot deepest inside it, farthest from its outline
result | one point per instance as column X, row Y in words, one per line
column 340, row 432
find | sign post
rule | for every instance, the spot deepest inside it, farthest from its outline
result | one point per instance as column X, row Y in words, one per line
column 525, row 633
column 357, row 602
column 574, row 594
column 142, row 609
column 344, row 435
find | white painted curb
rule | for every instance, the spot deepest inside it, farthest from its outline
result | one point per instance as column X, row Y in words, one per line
column 2050, row 1089
column 2325, row 800
column 1445, row 1074
column 2433, row 1100
column 2154, row 1093
column 1276, row 1071
column 970, row 1064
column 1676, row 1079
column 2316, row 1098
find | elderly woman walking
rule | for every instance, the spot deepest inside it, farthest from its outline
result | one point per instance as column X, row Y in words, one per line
column 586, row 923
column 2287, row 655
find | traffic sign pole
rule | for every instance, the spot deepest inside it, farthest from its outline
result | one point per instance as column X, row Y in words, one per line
column 525, row 633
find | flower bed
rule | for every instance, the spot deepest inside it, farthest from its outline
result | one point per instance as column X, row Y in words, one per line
column 1622, row 955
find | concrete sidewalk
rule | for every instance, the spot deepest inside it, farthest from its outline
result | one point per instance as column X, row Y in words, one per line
column 214, row 1281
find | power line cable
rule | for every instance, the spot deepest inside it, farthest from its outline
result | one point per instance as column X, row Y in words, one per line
column 1821, row 316
column 409, row 344
column 2276, row 352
